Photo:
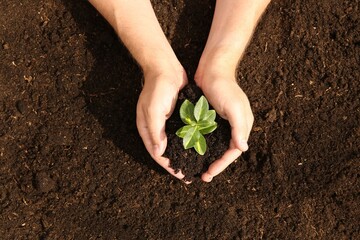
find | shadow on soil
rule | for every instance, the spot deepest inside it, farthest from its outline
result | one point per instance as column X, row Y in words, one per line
column 113, row 84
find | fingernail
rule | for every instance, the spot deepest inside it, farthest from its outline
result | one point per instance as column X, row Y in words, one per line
column 243, row 146
column 186, row 181
column 156, row 150
column 206, row 177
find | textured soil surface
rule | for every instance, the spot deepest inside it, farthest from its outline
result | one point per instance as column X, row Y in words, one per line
column 189, row 161
column 72, row 165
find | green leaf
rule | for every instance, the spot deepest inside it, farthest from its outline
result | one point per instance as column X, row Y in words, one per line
column 187, row 112
column 200, row 145
column 191, row 137
column 207, row 127
column 209, row 116
column 200, row 120
column 201, row 108
column 182, row 131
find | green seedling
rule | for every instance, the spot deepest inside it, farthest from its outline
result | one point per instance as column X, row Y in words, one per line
column 199, row 121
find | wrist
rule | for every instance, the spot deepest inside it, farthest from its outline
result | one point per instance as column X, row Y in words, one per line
column 165, row 71
column 220, row 65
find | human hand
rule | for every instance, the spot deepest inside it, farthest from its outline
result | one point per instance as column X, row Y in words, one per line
column 232, row 104
column 232, row 27
column 155, row 105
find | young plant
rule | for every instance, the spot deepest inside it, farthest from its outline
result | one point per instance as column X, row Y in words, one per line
column 199, row 121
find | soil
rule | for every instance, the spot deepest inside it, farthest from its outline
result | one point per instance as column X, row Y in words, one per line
column 189, row 161
column 72, row 165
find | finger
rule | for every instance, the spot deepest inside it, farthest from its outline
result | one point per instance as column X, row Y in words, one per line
column 240, row 129
column 155, row 148
column 156, row 132
column 165, row 163
column 219, row 165
column 151, row 126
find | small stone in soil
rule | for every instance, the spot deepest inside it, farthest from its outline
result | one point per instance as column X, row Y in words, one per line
column 6, row 46
column 20, row 106
column 44, row 182
column 271, row 115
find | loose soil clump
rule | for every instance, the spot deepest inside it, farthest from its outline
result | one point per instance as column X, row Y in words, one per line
column 188, row 160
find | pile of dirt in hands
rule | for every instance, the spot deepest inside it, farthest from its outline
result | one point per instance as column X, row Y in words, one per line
column 192, row 164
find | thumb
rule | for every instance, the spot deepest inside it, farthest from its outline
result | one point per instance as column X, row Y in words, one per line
column 239, row 130
column 152, row 131
column 156, row 132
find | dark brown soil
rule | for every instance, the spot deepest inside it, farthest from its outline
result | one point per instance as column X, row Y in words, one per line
column 72, row 165
column 189, row 161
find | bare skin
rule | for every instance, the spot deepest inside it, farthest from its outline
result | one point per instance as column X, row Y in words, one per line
column 232, row 27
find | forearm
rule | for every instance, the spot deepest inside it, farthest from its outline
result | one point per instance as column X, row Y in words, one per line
column 232, row 27
column 138, row 28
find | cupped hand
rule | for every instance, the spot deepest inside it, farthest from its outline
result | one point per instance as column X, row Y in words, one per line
column 155, row 105
column 232, row 104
